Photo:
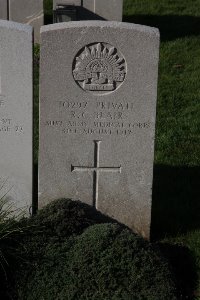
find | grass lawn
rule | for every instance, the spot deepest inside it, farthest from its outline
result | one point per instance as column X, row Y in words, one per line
column 176, row 205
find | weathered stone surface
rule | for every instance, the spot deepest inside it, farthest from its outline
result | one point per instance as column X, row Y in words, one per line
column 97, row 117
column 111, row 10
column 100, row 9
column 67, row 2
column 90, row 4
column 16, row 114
column 3, row 10
column 28, row 12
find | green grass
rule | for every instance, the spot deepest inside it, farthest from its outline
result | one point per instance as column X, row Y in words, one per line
column 178, row 117
column 10, row 229
column 176, row 205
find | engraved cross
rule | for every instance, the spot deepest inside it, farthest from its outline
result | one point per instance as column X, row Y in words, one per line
column 96, row 170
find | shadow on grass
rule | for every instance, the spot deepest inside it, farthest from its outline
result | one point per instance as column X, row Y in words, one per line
column 176, row 210
column 176, row 205
column 82, row 14
column 183, row 266
column 171, row 26
column 48, row 19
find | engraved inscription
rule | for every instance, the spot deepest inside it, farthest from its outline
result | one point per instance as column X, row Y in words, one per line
column 96, row 170
column 7, row 125
column 99, row 68
column 2, row 101
column 73, row 105
column 98, row 118
column 118, row 128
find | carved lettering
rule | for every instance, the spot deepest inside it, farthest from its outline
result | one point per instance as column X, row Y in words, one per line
column 115, row 106
column 5, row 121
column 109, row 115
column 76, row 124
column 69, row 130
column 5, row 128
column 108, row 124
column 101, row 131
column 2, row 103
column 124, row 132
column 54, row 123
column 74, row 105
column 139, row 125
column 89, row 131
column 19, row 129
column 77, row 115
column 7, row 125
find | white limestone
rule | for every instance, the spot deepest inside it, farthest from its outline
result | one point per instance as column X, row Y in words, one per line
column 110, row 10
column 97, row 117
column 28, row 12
column 16, row 115
column 3, row 10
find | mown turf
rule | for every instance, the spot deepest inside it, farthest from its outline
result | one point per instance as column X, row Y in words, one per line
column 176, row 205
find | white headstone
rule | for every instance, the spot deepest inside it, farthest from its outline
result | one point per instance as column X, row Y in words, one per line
column 28, row 12
column 16, row 114
column 3, row 10
column 110, row 10
column 97, row 117
column 67, row 2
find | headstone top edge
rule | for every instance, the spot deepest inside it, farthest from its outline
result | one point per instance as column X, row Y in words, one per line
column 101, row 24
column 17, row 26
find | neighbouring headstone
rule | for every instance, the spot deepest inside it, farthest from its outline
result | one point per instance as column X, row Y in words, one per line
column 110, row 10
column 3, row 10
column 16, row 115
column 97, row 117
column 28, row 12
column 67, row 2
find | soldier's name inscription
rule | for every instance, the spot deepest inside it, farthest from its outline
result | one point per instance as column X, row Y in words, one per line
column 101, row 117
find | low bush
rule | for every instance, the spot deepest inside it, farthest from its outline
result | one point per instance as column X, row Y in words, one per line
column 68, row 256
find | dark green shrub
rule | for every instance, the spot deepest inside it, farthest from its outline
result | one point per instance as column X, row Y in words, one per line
column 68, row 257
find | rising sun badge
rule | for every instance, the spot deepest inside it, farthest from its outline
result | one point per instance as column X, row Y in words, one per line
column 99, row 68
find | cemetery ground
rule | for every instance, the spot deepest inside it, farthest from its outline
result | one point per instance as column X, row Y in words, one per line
column 176, row 206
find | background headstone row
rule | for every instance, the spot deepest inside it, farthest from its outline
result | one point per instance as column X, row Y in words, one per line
column 24, row 11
